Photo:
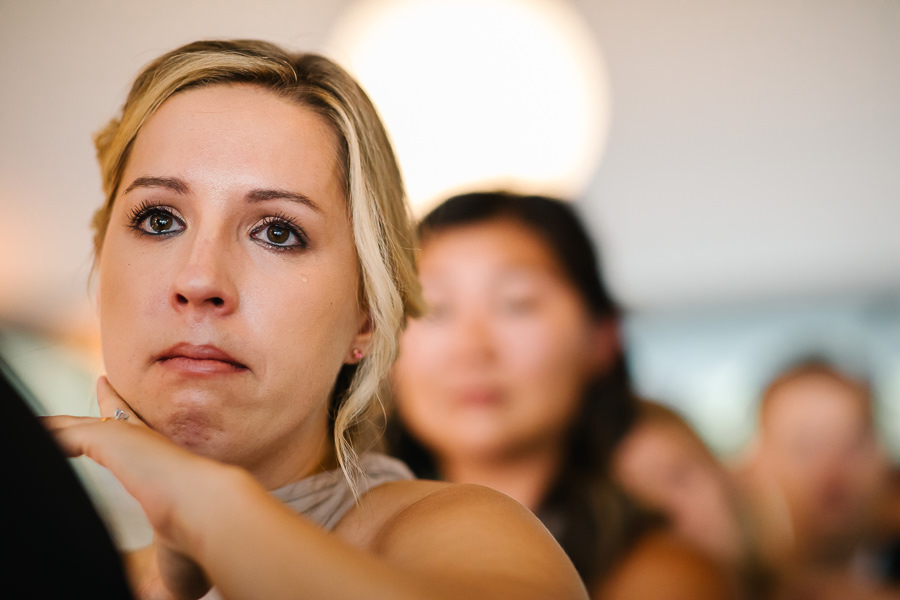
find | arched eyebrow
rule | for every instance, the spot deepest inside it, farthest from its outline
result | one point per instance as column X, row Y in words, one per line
column 170, row 183
column 181, row 187
column 261, row 195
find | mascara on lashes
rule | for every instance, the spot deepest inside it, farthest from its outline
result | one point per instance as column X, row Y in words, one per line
column 146, row 209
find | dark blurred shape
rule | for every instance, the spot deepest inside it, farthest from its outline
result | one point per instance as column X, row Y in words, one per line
column 54, row 542
column 887, row 532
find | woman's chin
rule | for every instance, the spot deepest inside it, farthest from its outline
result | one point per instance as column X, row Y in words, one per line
column 193, row 431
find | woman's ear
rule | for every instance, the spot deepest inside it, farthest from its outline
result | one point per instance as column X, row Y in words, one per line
column 361, row 342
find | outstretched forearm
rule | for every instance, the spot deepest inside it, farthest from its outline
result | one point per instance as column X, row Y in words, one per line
column 254, row 547
column 458, row 541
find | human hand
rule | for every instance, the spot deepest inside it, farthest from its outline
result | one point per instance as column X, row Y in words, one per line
column 152, row 469
column 156, row 472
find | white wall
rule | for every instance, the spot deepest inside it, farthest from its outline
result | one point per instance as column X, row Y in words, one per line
column 755, row 149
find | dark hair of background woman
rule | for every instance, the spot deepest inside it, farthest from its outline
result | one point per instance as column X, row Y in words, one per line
column 590, row 517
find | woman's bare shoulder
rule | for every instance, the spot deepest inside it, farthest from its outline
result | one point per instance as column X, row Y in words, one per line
column 389, row 506
column 475, row 537
column 377, row 507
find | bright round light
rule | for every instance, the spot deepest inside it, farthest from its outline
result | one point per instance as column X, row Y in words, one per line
column 481, row 94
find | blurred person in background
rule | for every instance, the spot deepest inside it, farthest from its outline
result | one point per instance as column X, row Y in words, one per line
column 666, row 466
column 815, row 479
column 514, row 379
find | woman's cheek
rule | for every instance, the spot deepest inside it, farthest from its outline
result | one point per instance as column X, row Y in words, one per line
column 536, row 348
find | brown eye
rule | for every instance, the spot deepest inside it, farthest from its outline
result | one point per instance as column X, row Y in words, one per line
column 160, row 222
column 155, row 220
column 277, row 234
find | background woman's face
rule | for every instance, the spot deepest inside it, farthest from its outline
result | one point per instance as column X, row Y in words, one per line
column 228, row 278
column 667, row 470
column 499, row 364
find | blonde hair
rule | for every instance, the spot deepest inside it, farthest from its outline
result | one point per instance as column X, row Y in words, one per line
column 381, row 223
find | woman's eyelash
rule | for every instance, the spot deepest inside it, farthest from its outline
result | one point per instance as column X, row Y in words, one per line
column 290, row 224
column 138, row 214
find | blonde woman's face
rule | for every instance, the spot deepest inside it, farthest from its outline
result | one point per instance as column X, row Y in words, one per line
column 498, row 367
column 228, row 279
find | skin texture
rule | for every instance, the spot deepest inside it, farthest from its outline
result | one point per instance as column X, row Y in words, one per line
column 207, row 438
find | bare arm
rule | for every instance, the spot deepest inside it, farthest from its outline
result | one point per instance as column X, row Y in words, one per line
column 447, row 543
column 458, row 542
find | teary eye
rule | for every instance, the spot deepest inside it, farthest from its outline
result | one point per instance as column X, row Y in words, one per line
column 280, row 233
column 155, row 220
column 277, row 234
column 160, row 222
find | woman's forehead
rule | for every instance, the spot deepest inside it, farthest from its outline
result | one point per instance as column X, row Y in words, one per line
column 500, row 245
column 238, row 135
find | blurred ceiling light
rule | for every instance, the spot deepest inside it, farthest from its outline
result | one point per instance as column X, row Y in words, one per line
column 481, row 93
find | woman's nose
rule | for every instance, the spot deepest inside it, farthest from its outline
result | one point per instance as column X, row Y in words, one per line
column 205, row 280
column 472, row 338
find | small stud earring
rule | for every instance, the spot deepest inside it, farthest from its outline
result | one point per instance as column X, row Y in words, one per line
column 357, row 354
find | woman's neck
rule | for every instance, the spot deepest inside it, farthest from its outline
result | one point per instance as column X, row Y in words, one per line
column 525, row 477
column 313, row 453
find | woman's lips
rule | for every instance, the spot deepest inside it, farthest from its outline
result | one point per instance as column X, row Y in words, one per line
column 479, row 397
column 199, row 360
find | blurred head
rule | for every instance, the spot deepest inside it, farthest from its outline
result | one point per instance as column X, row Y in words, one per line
column 518, row 327
column 664, row 464
column 254, row 203
column 817, row 442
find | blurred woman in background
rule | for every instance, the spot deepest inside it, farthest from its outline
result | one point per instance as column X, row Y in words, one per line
column 514, row 379
column 664, row 464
